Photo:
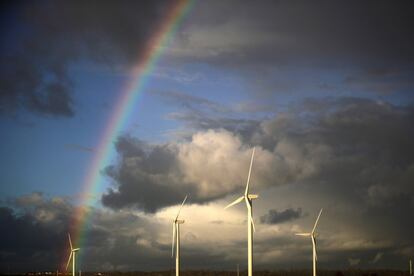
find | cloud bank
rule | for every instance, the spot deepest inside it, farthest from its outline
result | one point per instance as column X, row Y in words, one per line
column 275, row 217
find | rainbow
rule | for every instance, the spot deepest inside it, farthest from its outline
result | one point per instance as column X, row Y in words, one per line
column 123, row 108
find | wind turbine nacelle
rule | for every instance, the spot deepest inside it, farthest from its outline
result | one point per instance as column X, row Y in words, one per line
column 253, row 196
column 76, row 249
column 179, row 221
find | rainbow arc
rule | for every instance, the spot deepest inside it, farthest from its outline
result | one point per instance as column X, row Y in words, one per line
column 122, row 110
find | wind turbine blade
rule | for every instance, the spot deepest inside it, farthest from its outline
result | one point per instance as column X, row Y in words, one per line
column 240, row 199
column 70, row 242
column 250, row 170
column 179, row 210
column 70, row 256
column 314, row 247
column 303, row 234
column 173, row 241
column 252, row 222
column 249, row 207
column 316, row 222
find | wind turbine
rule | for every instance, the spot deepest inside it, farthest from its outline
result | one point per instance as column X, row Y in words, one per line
column 176, row 239
column 72, row 256
column 313, row 237
column 248, row 198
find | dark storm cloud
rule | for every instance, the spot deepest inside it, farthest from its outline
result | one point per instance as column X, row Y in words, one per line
column 25, row 226
column 33, row 232
column 33, row 236
column 145, row 177
column 268, row 42
column 23, row 85
column 45, row 38
column 240, row 33
column 274, row 216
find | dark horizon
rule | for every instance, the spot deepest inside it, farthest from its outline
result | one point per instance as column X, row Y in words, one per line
column 204, row 272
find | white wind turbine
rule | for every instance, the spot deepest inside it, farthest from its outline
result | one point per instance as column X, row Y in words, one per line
column 176, row 239
column 313, row 237
column 72, row 256
column 248, row 198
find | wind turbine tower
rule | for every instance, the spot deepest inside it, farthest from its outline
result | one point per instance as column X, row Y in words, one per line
column 72, row 256
column 313, row 237
column 248, row 198
column 176, row 239
column 411, row 268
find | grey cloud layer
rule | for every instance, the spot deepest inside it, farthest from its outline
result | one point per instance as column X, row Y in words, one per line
column 272, row 44
column 275, row 216
column 240, row 33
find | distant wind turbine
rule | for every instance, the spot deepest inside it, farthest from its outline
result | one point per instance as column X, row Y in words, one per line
column 72, row 256
column 313, row 237
column 248, row 198
column 176, row 239
column 411, row 268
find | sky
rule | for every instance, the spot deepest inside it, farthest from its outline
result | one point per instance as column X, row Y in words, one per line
column 322, row 89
